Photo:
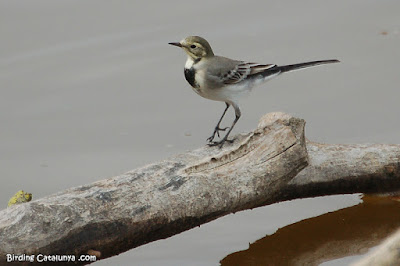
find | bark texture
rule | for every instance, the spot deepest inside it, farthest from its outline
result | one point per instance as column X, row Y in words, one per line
column 156, row 201
column 159, row 200
column 346, row 168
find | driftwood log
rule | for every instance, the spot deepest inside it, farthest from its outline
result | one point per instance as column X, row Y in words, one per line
column 263, row 167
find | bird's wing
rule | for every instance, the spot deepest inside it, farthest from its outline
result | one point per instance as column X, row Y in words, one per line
column 243, row 70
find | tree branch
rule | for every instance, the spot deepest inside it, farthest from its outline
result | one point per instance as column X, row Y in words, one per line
column 162, row 199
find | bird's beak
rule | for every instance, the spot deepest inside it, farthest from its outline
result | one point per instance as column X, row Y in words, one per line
column 176, row 44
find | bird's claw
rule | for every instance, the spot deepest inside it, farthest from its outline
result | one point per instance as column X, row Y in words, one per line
column 216, row 132
column 220, row 143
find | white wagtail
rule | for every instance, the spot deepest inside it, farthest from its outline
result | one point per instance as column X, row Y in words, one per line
column 222, row 79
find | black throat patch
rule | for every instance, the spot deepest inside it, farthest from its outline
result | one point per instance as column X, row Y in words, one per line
column 190, row 74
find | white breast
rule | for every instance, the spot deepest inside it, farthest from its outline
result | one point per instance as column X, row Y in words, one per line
column 189, row 62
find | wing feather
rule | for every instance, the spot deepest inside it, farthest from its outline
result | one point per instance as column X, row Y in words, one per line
column 243, row 70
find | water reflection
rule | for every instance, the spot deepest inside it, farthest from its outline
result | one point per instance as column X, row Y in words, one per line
column 330, row 236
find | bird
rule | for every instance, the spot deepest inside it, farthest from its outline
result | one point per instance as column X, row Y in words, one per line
column 223, row 79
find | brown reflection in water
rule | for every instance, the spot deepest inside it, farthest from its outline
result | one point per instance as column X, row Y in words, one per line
column 330, row 236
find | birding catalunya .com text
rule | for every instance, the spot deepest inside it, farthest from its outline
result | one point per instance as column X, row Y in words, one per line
column 48, row 258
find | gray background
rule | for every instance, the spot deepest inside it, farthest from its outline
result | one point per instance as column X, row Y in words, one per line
column 91, row 89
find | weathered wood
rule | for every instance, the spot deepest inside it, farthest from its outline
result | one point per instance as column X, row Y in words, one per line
column 165, row 198
column 161, row 199
column 351, row 168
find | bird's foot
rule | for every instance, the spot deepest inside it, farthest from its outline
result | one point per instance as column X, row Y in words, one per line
column 216, row 132
column 220, row 143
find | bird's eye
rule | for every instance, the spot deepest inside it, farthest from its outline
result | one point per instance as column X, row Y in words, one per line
column 192, row 46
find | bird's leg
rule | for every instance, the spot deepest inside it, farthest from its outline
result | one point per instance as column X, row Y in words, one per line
column 221, row 142
column 217, row 128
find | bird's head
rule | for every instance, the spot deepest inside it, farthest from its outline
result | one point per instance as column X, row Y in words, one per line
column 196, row 47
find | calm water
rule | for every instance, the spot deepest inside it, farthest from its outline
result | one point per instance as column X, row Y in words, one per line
column 90, row 89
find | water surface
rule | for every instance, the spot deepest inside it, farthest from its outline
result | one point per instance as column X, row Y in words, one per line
column 91, row 89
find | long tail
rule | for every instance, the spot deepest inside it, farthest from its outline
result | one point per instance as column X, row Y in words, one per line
column 288, row 68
